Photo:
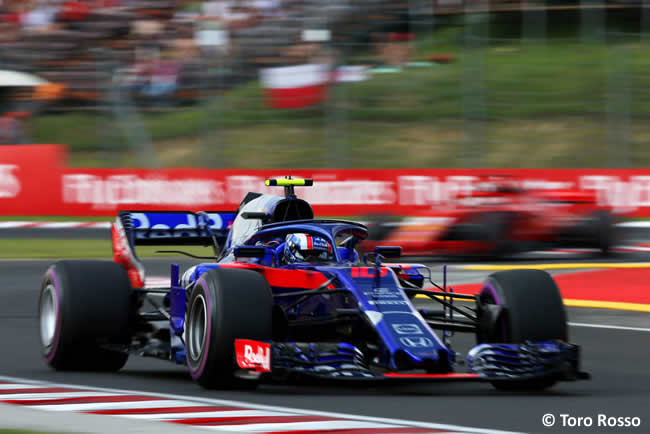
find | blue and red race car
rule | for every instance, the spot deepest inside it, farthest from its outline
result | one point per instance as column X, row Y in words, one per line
column 286, row 296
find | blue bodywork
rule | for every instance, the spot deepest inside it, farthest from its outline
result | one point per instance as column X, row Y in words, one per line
column 366, row 302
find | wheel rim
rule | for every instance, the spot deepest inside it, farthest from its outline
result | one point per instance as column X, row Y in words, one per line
column 197, row 327
column 49, row 311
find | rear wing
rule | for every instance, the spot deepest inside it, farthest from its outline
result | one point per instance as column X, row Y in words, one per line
column 151, row 228
column 176, row 228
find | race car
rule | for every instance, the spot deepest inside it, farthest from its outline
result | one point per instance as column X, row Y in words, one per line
column 500, row 218
column 287, row 297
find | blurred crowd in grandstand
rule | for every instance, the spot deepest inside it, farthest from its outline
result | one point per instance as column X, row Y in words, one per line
column 157, row 49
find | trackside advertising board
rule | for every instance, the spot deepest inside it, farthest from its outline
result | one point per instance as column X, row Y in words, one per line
column 34, row 180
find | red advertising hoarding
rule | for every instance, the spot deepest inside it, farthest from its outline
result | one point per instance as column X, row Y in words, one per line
column 34, row 180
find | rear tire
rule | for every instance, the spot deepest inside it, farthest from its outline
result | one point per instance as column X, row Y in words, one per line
column 532, row 310
column 604, row 231
column 82, row 305
column 225, row 304
column 378, row 226
column 492, row 230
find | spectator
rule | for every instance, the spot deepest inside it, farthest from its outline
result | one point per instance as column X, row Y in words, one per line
column 41, row 16
column 9, row 23
column 74, row 11
column 163, row 79
column 212, row 35
column 11, row 128
column 266, row 8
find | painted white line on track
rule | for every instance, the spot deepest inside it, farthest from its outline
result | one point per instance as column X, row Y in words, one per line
column 300, row 426
column 21, row 386
column 202, row 414
column 639, row 224
column 60, row 225
column 192, row 400
column 57, row 395
column 11, row 225
column 158, row 403
column 608, row 326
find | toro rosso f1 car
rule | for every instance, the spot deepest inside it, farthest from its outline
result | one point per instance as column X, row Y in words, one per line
column 287, row 297
column 499, row 218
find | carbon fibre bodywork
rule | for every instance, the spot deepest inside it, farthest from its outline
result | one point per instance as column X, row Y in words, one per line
column 342, row 318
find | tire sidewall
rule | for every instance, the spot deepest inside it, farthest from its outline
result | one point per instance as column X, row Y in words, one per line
column 239, row 305
column 532, row 310
column 93, row 301
column 198, row 367
column 603, row 231
column 51, row 352
column 532, row 305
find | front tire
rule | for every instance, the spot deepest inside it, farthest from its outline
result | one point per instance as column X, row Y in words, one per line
column 82, row 306
column 225, row 304
column 531, row 309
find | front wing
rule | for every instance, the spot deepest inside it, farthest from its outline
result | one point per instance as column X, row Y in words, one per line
column 555, row 360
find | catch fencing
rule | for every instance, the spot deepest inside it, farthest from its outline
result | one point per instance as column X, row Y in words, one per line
column 401, row 84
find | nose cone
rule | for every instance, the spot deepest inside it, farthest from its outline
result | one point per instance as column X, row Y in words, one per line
column 437, row 361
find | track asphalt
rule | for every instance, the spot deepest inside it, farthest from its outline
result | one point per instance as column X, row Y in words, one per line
column 616, row 358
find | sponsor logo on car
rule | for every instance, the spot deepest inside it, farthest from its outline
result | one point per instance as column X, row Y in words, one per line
column 382, row 293
column 387, row 302
column 407, row 329
column 367, row 272
column 416, row 341
column 253, row 355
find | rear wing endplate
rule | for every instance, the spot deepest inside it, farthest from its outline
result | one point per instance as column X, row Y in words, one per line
column 134, row 228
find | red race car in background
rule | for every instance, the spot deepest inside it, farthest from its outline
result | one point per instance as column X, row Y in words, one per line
column 499, row 218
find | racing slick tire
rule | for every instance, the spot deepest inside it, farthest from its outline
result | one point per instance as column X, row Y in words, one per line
column 491, row 230
column 225, row 304
column 532, row 309
column 379, row 227
column 83, row 306
column 603, row 231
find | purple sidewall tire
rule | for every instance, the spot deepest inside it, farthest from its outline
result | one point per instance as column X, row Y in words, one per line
column 51, row 277
column 199, row 371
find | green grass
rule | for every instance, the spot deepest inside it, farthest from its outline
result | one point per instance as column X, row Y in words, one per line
column 545, row 105
column 65, row 249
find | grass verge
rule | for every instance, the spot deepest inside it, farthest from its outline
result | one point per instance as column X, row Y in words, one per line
column 542, row 105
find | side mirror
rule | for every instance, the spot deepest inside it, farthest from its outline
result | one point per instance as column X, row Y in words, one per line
column 250, row 252
column 389, row 251
column 255, row 216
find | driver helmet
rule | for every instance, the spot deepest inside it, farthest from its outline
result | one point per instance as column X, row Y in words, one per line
column 306, row 248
